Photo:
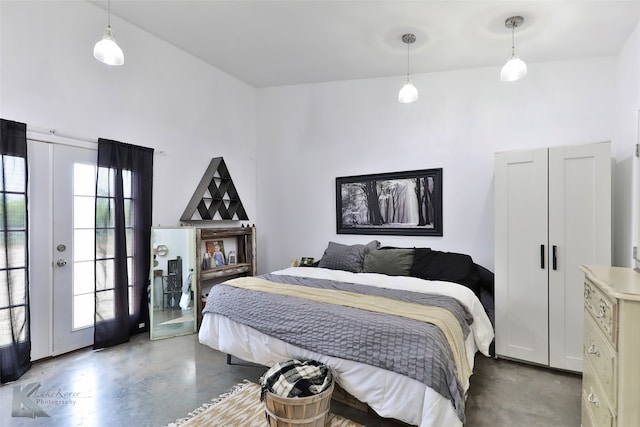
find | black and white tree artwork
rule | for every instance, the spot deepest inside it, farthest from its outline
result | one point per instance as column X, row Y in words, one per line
column 395, row 203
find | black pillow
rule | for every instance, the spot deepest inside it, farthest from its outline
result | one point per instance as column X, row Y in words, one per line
column 447, row 266
column 487, row 279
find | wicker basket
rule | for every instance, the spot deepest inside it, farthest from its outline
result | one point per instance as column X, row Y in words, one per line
column 311, row 411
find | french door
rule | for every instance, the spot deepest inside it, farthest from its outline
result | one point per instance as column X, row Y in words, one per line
column 61, row 201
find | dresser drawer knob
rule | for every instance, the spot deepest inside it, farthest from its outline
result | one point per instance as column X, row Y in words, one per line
column 593, row 350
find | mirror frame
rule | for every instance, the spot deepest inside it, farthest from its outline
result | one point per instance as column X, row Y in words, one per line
column 636, row 244
column 163, row 248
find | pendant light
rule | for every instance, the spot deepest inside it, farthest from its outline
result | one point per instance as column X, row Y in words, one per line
column 515, row 68
column 408, row 93
column 107, row 50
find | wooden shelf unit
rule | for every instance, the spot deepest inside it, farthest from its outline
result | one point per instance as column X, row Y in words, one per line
column 246, row 265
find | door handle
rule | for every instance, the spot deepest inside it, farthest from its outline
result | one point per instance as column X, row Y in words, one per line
column 555, row 257
column 542, row 257
column 61, row 262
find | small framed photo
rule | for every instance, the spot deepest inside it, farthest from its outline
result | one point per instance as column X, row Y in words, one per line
column 306, row 262
column 215, row 252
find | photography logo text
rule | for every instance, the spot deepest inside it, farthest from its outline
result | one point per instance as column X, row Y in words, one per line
column 29, row 399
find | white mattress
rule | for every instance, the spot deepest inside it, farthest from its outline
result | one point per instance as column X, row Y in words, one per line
column 390, row 394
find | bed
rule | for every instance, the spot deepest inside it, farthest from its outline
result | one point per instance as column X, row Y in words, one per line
column 400, row 327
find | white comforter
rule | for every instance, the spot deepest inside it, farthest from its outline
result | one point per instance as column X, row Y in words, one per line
column 391, row 395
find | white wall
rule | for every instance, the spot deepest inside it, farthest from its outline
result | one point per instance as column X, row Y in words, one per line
column 161, row 97
column 627, row 129
column 311, row 134
column 305, row 136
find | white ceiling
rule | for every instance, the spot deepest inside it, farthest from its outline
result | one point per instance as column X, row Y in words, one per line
column 273, row 43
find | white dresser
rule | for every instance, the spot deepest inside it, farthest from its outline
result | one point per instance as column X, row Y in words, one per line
column 611, row 370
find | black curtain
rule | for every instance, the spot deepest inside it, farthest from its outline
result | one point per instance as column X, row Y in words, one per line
column 15, row 335
column 123, row 241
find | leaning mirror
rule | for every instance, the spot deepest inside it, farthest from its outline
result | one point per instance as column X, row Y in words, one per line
column 173, row 281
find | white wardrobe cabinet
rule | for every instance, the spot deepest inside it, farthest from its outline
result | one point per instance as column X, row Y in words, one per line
column 552, row 215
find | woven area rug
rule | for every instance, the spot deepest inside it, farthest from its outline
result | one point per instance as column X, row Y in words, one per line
column 241, row 407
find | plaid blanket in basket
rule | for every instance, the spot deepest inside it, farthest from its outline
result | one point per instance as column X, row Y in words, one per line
column 296, row 378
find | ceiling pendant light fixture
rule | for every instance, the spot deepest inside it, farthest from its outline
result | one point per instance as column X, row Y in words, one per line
column 107, row 50
column 408, row 93
column 515, row 68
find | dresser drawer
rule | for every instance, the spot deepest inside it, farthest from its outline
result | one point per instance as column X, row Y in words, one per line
column 603, row 310
column 602, row 357
column 594, row 401
column 586, row 417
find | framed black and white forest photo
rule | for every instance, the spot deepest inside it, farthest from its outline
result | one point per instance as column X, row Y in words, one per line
column 400, row 203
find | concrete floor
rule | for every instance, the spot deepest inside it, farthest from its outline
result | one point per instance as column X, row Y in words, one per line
column 172, row 322
column 152, row 383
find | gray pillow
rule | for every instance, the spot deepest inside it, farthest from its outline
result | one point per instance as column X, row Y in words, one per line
column 346, row 257
column 392, row 262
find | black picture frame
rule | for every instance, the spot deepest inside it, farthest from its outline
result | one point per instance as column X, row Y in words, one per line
column 398, row 209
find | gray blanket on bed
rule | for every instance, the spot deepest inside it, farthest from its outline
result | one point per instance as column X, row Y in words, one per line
column 409, row 347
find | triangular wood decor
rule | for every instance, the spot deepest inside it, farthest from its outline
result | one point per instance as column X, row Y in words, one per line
column 215, row 194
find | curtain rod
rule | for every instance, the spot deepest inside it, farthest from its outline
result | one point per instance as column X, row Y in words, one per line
column 56, row 134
